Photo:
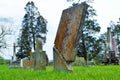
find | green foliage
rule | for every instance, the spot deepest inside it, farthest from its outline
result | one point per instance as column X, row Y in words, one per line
column 79, row 73
column 89, row 41
column 3, row 61
column 4, row 32
column 33, row 26
column 76, row 2
column 24, row 42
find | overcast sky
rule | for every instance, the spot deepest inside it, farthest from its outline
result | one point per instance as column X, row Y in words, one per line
column 51, row 10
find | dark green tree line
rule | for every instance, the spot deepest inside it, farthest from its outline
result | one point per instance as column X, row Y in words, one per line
column 89, row 42
column 3, row 34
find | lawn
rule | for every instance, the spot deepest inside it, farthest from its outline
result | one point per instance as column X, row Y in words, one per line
column 79, row 73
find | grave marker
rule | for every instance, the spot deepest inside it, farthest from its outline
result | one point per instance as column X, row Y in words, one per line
column 65, row 43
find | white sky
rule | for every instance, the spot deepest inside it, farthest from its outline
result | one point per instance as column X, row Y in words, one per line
column 51, row 10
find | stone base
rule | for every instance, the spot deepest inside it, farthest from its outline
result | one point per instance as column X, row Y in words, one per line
column 40, row 61
column 59, row 62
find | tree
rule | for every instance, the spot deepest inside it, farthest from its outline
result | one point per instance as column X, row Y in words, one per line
column 24, row 43
column 37, row 24
column 89, row 42
column 75, row 2
column 3, row 33
column 33, row 26
column 100, row 53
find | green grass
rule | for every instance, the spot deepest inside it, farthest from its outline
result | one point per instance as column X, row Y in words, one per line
column 79, row 73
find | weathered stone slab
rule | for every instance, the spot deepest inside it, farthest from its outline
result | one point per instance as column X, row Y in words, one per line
column 40, row 57
column 40, row 61
column 67, row 35
column 68, row 29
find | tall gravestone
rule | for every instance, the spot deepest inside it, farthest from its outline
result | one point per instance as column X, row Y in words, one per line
column 40, row 57
column 64, row 50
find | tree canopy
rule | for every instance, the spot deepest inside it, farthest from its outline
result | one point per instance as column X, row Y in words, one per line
column 89, row 43
column 33, row 26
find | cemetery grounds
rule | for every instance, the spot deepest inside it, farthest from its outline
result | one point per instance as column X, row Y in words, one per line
column 102, row 72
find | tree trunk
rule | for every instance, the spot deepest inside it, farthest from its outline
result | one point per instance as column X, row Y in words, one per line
column 84, row 48
column 34, row 41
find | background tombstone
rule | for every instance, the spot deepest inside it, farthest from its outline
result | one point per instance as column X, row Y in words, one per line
column 64, row 50
column 40, row 57
column 27, row 63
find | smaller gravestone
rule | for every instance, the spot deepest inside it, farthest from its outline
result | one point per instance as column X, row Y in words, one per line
column 40, row 57
column 27, row 63
column 21, row 63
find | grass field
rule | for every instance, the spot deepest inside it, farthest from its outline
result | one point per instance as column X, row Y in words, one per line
column 79, row 73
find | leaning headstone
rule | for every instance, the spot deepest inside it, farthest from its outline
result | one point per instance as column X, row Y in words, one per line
column 40, row 60
column 64, row 50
